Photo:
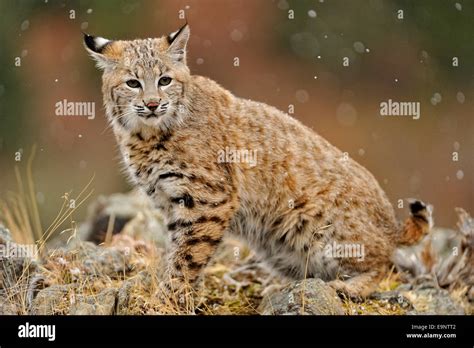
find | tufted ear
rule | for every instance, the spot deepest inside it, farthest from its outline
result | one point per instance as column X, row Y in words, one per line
column 178, row 41
column 105, row 52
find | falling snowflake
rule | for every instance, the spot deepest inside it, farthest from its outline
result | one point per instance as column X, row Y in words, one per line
column 436, row 98
column 283, row 5
column 236, row 35
column 359, row 47
column 305, row 44
column 346, row 114
column 302, row 95
column 312, row 14
column 40, row 197
column 25, row 25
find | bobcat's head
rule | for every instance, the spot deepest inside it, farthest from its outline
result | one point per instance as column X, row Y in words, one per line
column 143, row 81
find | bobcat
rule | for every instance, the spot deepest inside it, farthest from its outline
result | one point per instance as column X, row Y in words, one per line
column 298, row 198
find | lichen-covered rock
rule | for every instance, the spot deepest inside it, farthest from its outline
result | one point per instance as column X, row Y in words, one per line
column 11, row 271
column 433, row 301
column 15, row 264
column 100, row 304
column 124, row 293
column 7, row 307
column 5, row 235
column 392, row 298
column 108, row 261
column 51, row 300
column 129, row 214
column 310, row 296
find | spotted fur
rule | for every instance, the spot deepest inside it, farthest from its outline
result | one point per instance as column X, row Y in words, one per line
column 302, row 195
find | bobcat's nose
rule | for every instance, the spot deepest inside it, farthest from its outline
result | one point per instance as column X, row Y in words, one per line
column 152, row 105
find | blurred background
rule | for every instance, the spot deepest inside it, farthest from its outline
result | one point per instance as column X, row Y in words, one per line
column 289, row 53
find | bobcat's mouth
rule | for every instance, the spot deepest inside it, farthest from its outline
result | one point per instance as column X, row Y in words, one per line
column 151, row 115
column 162, row 109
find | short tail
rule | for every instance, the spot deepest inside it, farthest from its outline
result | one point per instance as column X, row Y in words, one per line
column 418, row 224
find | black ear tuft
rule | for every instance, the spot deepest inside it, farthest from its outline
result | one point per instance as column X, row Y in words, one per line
column 90, row 43
column 171, row 37
column 95, row 44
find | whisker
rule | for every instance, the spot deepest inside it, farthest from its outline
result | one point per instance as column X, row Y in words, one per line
column 109, row 124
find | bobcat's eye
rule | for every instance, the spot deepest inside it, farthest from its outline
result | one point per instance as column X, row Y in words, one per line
column 164, row 81
column 133, row 83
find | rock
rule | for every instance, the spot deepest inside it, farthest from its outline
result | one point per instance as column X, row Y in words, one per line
column 14, row 265
column 8, row 307
column 5, row 235
column 130, row 214
column 82, row 308
column 18, row 271
column 433, row 302
column 110, row 261
column 94, row 260
column 48, row 301
column 392, row 298
column 319, row 299
column 101, row 304
column 11, row 271
column 123, row 296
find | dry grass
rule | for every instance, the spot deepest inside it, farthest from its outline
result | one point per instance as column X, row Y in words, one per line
column 20, row 214
column 223, row 290
column 231, row 285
